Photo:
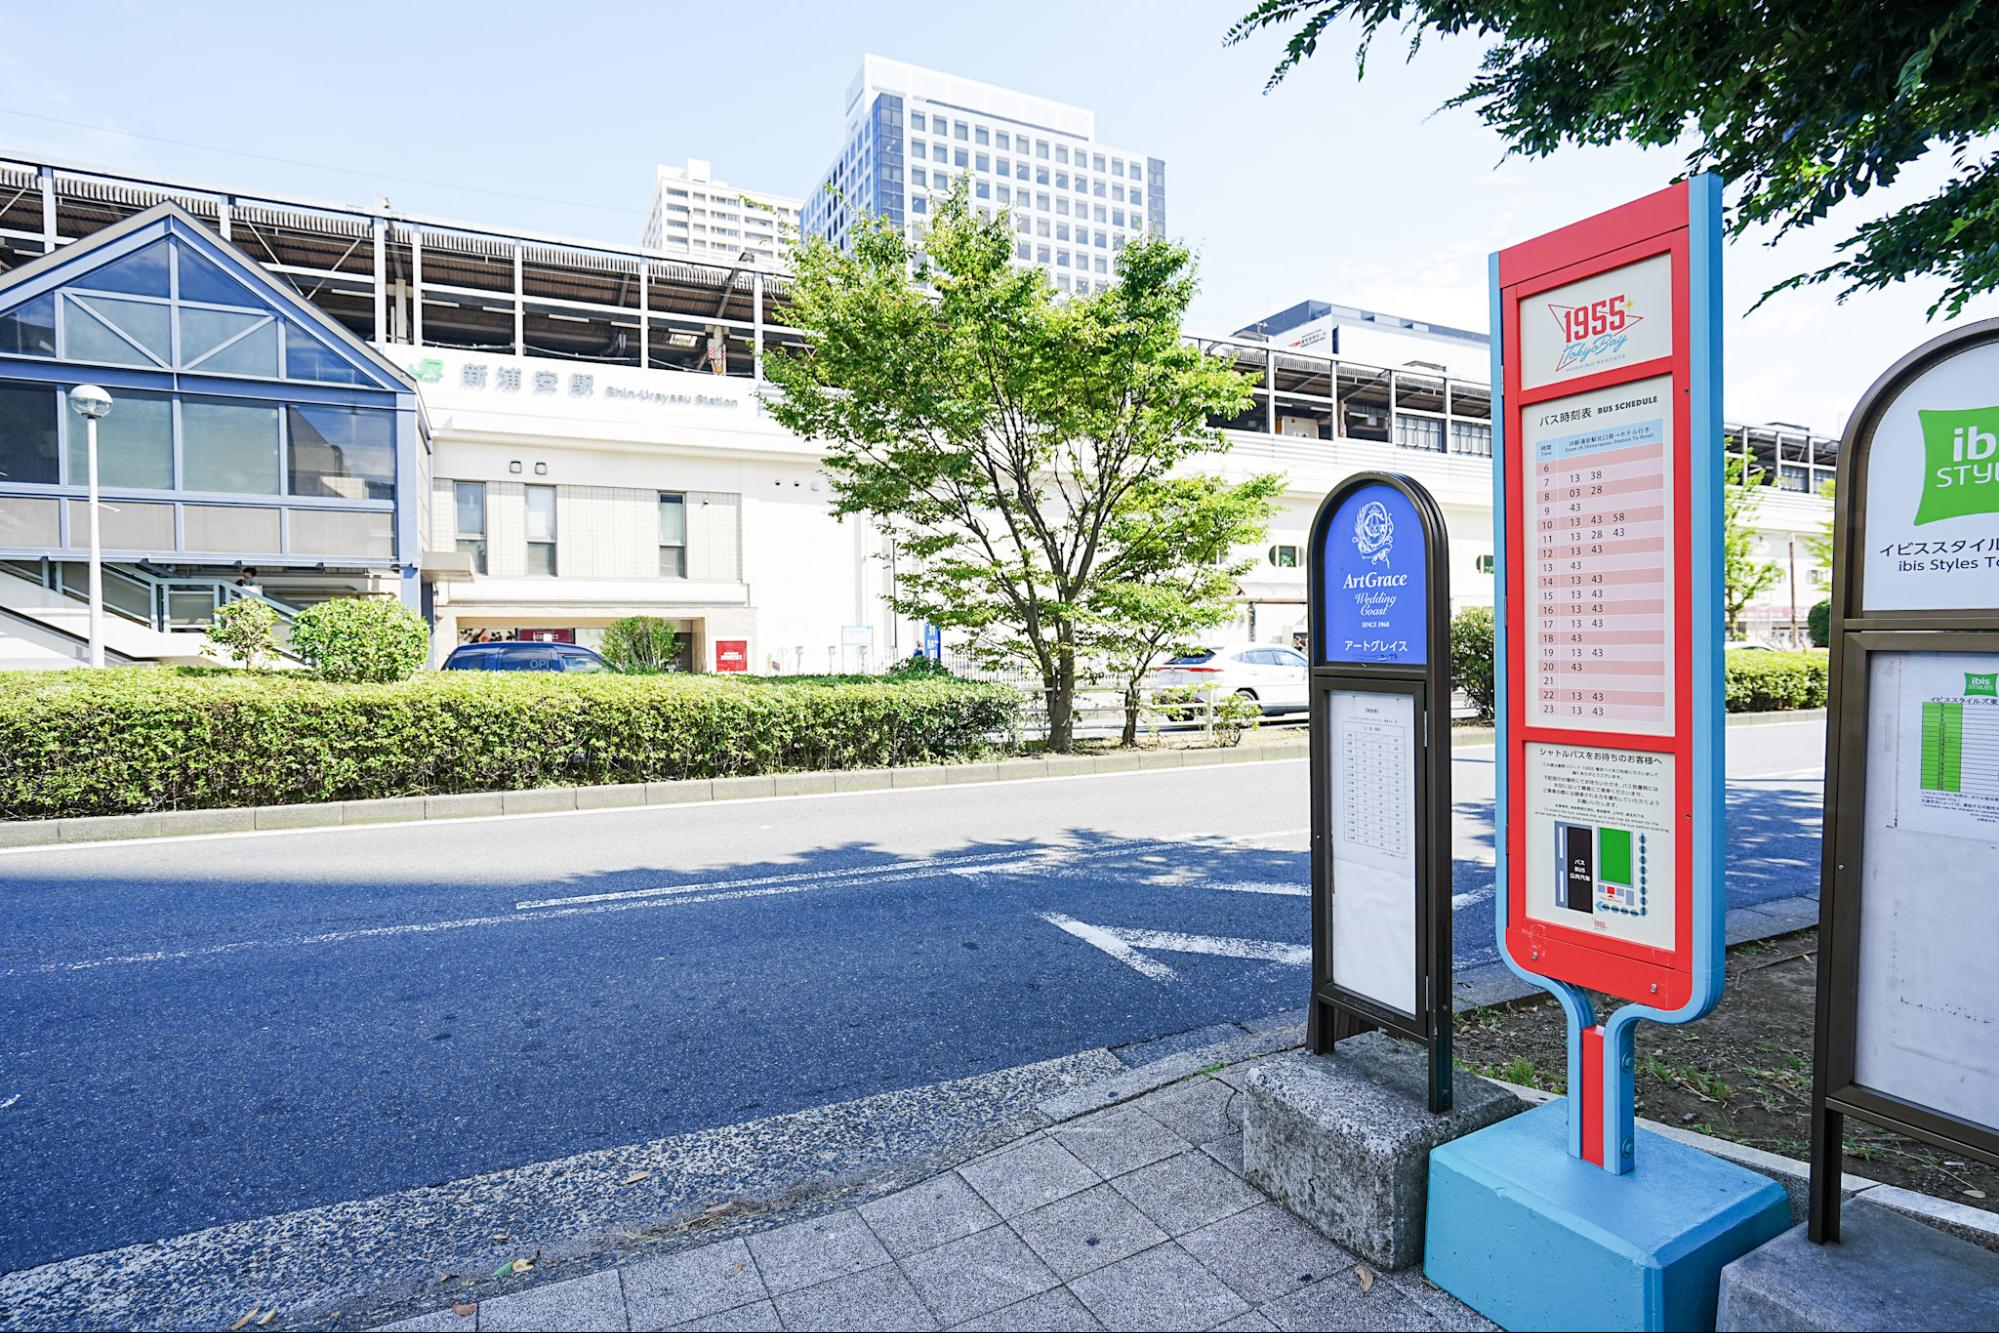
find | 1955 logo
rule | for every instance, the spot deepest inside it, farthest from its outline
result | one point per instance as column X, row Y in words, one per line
column 1594, row 332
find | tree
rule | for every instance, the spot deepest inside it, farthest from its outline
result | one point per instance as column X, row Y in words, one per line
column 361, row 639
column 1472, row 652
column 1820, row 544
column 244, row 630
column 1744, row 574
column 1798, row 105
column 1171, row 575
column 641, row 645
column 991, row 429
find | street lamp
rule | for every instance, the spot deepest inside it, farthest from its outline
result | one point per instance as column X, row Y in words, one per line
column 92, row 404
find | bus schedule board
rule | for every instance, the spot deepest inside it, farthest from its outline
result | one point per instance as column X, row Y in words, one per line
column 1607, row 475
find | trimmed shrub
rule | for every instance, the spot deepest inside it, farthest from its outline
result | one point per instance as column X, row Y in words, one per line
column 244, row 630
column 641, row 645
column 1765, row 682
column 1471, row 656
column 119, row 742
column 1818, row 624
column 361, row 639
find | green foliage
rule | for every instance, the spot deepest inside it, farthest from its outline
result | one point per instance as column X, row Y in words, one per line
column 118, row 742
column 641, row 645
column 1744, row 574
column 1170, row 574
column 1797, row 106
column 918, row 666
column 1472, row 634
column 1765, row 682
column 244, row 631
column 1234, row 715
column 361, row 639
column 995, row 432
column 1818, row 623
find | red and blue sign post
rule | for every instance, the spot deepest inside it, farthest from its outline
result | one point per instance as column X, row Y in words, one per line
column 1607, row 475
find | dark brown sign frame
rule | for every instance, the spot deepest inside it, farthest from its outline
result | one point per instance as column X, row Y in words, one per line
column 1855, row 635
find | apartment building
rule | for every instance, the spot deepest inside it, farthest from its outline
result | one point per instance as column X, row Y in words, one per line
column 695, row 215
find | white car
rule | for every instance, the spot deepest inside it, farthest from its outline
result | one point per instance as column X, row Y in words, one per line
column 1271, row 674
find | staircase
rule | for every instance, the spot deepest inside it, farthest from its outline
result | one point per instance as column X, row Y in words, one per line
column 149, row 617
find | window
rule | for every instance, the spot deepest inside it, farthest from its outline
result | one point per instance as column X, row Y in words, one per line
column 1005, row 142
column 1061, row 153
column 960, row 130
column 672, row 536
column 1284, row 556
column 982, row 162
column 982, row 136
column 470, row 499
column 28, row 414
column 1117, row 167
column 228, row 445
column 541, row 530
column 135, row 443
column 1041, row 148
column 916, row 120
column 1097, row 162
column 346, row 453
column 1484, row 564
column 1061, row 180
column 29, row 329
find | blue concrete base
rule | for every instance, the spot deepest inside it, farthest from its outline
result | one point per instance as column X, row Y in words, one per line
column 1533, row 1238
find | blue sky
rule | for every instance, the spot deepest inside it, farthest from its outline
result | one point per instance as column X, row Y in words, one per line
column 551, row 118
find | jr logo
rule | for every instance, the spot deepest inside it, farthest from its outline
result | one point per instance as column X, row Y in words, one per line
column 1960, row 464
column 1594, row 332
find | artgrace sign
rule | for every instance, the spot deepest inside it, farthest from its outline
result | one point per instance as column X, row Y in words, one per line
column 1375, row 580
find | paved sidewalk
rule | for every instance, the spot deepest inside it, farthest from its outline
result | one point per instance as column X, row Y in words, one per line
column 1131, row 1217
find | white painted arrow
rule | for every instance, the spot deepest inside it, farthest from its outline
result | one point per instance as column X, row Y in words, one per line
column 1124, row 944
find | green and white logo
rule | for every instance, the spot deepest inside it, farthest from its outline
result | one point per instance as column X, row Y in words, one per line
column 1981, row 682
column 1960, row 464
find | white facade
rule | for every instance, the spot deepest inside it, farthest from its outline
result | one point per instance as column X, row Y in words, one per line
column 696, row 215
column 912, row 134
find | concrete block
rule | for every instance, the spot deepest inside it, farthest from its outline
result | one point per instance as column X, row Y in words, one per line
column 1887, row 1271
column 183, row 823
column 104, row 828
column 1344, row 1141
column 581, row 1303
column 1070, row 765
column 1150, row 759
column 1118, row 761
column 974, row 1276
column 1187, row 1192
column 804, row 784
column 814, row 1251
column 863, row 779
column 1531, row 1237
column 1163, row 1287
column 1205, row 756
column 957, row 774
column 30, row 832
column 1264, row 1252
column 1012, row 770
column 925, row 1216
column 315, row 815
column 733, row 789
column 679, row 1288
column 537, row 800
column 611, row 796
column 386, row 810
column 1959, row 1219
column 1030, row 1176
column 918, row 775
column 1087, row 1231
column 462, row 805
column 1118, row 1139
column 681, row 791
column 879, row 1297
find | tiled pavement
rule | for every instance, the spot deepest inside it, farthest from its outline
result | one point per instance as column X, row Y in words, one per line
column 1132, row 1217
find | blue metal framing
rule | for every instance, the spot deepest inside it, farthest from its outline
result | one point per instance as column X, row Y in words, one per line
column 383, row 386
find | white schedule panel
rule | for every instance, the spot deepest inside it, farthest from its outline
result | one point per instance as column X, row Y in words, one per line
column 1600, row 501
column 1927, row 1012
column 1373, row 795
column 1600, row 844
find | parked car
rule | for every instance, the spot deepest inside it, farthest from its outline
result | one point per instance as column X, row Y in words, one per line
column 518, row 655
column 1271, row 674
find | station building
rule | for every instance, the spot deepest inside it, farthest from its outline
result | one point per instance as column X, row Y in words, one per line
column 525, row 435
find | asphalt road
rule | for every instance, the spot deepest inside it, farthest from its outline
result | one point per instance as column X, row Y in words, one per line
column 206, row 1030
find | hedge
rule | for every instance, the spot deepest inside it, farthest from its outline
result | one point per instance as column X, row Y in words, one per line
column 129, row 741
column 1764, row 682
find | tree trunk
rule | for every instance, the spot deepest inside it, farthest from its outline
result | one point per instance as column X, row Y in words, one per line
column 1131, row 695
column 1061, row 692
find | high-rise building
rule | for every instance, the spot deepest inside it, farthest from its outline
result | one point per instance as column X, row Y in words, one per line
column 912, row 134
column 695, row 214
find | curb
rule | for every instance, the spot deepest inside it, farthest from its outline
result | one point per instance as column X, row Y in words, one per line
column 545, row 800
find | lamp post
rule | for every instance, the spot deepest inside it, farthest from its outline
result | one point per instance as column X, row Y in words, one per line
column 92, row 404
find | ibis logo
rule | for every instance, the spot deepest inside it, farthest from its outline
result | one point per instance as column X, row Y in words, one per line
column 1595, row 332
column 1984, row 683
column 1960, row 464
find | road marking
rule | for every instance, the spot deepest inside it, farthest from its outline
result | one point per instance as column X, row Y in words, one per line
column 10, row 1101
column 1459, row 900
column 1124, row 944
